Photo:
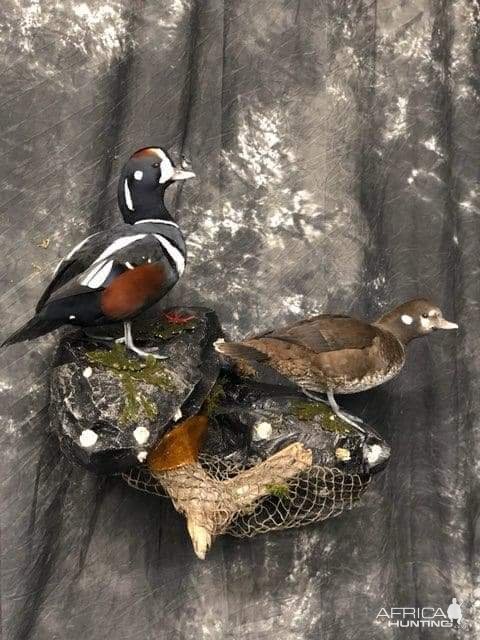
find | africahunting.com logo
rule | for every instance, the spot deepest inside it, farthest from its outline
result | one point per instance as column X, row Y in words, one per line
column 421, row 616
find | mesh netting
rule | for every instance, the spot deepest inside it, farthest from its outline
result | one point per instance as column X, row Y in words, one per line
column 225, row 496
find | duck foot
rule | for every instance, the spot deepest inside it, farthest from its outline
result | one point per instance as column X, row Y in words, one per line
column 174, row 317
column 143, row 353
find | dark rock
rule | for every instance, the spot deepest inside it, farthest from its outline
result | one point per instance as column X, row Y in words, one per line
column 250, row 422
column 108, row 407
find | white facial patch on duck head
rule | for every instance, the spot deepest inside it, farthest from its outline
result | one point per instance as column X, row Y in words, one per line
column 138, row 175
column 128, row 195
column 406, row 319
column 426, row 322
column 166, row 166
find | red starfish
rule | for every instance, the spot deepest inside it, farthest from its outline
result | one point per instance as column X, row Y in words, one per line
column 175, row 317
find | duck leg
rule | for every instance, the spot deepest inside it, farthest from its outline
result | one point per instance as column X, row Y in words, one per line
column 99, row 338
column 127, row 327
column 346, row 417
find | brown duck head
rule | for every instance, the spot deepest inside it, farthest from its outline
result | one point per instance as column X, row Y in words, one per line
column 413, row 319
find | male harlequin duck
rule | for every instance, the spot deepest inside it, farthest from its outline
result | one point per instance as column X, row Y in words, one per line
column 338, row 354
column 114, row 275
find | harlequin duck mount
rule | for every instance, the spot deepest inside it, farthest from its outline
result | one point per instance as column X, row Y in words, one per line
column 337, row 354
column 113, row 276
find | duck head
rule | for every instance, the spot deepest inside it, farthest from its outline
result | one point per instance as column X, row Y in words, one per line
column 415, row 318
column 143, row 182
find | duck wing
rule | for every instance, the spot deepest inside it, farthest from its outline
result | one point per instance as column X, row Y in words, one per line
column 325, row 333
column 77, row 260
column 305, row 339
column 125, row 253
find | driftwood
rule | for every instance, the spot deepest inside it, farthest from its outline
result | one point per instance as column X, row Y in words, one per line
column 209, row 504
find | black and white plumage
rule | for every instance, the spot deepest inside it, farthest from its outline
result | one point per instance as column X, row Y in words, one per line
column 114, row 275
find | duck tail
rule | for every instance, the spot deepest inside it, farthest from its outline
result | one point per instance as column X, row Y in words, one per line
column 239, row 351
column 34, row 328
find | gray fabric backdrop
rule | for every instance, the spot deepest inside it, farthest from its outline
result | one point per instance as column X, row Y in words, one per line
column 337, row 148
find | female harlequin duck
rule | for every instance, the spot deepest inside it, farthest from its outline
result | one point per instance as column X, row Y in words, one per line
column 114, row 275
column 338, row 354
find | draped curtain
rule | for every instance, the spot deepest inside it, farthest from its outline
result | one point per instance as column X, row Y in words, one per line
column 337, row 149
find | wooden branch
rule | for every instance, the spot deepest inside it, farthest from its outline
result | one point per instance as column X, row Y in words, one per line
column 209, row 504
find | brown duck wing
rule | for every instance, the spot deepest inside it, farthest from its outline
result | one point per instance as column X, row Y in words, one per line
column 315, row 340
column 326, row 333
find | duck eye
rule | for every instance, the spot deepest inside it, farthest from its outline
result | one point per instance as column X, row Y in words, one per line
column 424, row 315
column 155, row 165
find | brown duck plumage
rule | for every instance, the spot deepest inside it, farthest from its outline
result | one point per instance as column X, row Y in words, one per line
column 339, row 354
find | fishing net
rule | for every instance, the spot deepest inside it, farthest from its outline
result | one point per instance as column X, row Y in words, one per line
column 227, row 496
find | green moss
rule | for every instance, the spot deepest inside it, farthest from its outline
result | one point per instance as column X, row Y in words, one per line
column 215, row 397
column 135, row 404
column 131, row 371
column 307, row 411
column 278, row 490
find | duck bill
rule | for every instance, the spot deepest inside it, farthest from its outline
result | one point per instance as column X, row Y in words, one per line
column 182, row 174
column 445, row 324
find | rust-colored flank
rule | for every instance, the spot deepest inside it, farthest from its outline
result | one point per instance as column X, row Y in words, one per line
column 180, row 446
column 132, row 290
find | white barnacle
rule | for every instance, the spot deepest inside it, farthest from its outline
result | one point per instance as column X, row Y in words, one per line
column 177, row 415
column 72, row 317
column 342, row 454
column 142, row 456
column 141, row 435
column 88, row 438
column 373, row 454
column 262, row 431
column 87, row 372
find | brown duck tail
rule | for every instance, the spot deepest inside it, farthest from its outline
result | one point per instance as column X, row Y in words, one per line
column 239, row 351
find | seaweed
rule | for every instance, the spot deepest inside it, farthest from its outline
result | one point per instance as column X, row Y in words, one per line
column 278, row 490
column 215, row 397
column 308, row 411
column 132, row 371
column 166, row 330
